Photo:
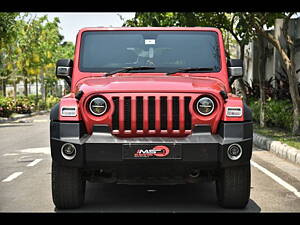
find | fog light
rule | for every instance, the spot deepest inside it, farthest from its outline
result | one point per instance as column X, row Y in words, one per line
column 68, row 151
column 234, row 151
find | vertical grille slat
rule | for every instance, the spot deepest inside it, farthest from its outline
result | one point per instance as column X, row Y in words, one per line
column 175, row 110
column 187, row 115
column 181, row 113
column 133, row 114
column 139, row 113
column 121, row 114
column 163, row 113
column 146, row 115
column 127, row 113
column 169, row 114
column 157, row 114
column 151, row 114
column 115, row 116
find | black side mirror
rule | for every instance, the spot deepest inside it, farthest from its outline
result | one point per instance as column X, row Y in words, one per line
column 235, row 69
column 64, row 68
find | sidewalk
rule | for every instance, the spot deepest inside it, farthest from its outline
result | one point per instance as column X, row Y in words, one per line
column 21, row 116
column 280, row 149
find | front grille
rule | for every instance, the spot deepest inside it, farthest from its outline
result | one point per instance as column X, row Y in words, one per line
column 151, row 114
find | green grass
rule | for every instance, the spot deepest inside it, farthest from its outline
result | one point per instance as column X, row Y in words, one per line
column 279, row 135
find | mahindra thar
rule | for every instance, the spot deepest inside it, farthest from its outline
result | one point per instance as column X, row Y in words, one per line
column 150, row 106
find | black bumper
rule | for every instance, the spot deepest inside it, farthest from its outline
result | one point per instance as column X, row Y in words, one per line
column 102, row 149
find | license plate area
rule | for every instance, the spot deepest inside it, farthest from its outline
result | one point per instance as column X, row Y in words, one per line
column 151, row 151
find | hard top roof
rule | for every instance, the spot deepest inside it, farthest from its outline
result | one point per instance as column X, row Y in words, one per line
column 149, row 29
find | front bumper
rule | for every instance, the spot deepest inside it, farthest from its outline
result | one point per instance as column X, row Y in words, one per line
column 102, row 149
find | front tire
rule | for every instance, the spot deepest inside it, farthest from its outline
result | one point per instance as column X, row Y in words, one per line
column 233, row 186
column 68, row 186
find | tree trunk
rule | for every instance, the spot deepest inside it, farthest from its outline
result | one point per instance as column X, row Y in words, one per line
column 4, row 87
column 15, row 90
column 15, row 94
column 25, row 86
column 240, row 85
column 36, row 92
column 43, row 86
column 242, row 51
column 227, row 46
column 261, row 80
column 293, row 87
column 289, row 63
column 45, row 90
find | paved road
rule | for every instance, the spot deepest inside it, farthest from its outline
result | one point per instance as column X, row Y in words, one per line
column 25, row 181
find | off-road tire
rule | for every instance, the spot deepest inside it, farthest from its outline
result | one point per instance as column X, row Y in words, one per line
column 233, row 187
column 68, row 187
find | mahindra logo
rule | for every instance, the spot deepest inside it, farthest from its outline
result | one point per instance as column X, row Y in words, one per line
column 158, row 151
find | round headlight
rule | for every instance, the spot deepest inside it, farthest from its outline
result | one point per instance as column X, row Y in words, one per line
column 98, row 106
column 205, row 106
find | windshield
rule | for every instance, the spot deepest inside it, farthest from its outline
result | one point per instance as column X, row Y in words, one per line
column 106, row 51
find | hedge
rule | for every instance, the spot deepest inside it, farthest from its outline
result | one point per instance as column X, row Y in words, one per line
column 24, row 105
column 278, row 113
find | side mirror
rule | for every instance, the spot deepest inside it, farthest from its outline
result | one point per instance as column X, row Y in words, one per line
column 235, row 69
column 64, row 69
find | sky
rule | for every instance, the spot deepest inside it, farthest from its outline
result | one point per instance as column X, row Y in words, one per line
column 71, row 23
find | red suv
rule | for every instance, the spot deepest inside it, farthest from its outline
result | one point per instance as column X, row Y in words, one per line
column 150, row 106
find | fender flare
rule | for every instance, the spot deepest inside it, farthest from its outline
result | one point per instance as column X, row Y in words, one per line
column 247, row 113
column 54, row 113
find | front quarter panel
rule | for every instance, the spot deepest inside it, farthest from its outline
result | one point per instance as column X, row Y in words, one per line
column 233, row 101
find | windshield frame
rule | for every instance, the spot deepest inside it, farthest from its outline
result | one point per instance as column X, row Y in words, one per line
column 158, row 69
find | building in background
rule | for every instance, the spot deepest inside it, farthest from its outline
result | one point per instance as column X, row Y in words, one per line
column 59, row 90
column 273, row 66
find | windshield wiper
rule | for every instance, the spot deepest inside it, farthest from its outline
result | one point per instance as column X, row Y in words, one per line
column 200, row 69
column 126, row 69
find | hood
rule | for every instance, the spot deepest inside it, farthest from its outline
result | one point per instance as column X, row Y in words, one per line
column 157, row 84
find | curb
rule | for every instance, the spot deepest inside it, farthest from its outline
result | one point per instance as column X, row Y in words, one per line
column 281, row 150
column 6, row 120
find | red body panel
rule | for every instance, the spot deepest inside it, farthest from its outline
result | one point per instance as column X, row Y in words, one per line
column 69, row 101
column 141, row 83
column 233, row 101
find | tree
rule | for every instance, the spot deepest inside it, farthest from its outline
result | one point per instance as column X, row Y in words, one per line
column 153, row 19
column 285, row 45
column 27, row 43
column 49, row 41
column 30, row 47
column 38, row 45
column 7, row 22
column 261, row 80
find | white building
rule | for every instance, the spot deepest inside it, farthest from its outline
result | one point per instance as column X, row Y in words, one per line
column 273, row 65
